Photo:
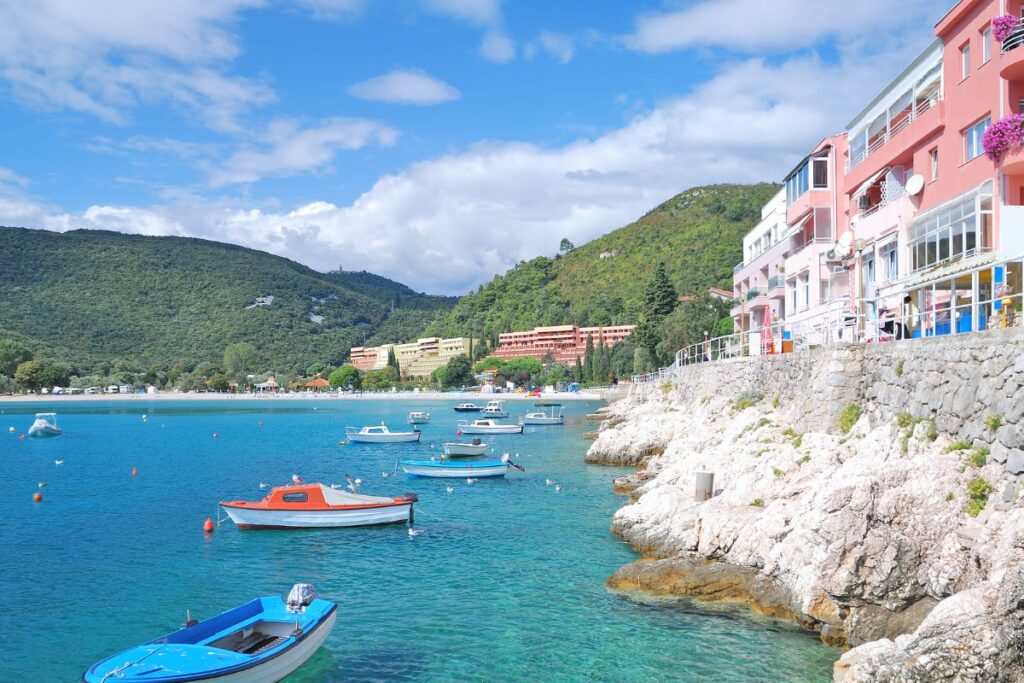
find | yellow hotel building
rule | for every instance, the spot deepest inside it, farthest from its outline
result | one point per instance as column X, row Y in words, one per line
column 416, row 360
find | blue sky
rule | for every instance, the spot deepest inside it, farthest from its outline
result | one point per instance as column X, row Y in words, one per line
column 436, row 142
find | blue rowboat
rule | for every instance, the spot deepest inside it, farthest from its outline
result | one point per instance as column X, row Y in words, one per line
column 443, row 469
column 263, row 641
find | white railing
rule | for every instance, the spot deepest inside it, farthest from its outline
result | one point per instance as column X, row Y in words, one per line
column 891, row 130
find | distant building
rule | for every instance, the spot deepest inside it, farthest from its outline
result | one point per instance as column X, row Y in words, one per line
column 564, row 342
column 416, row 360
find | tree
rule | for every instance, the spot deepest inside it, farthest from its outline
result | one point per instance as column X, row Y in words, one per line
column 316, row 368
column 688, row 323
column 438, row 376
column 393, row 362
column 577, row 373
column 36, row 374
column 346, row 376
column 219, row 382
column 458, row 372
column 565, row 246
column 239, row 359
column 12, row 354
column 660, row 297
column 588, row 360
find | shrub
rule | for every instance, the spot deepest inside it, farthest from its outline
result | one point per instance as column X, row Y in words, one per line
column 746, row 400
column 978, row 491
column 905, row 419
column 950, row 496
column 789, row 431
column 804, row 459
column 959, row 445
column 899, row 368
column 764, row 421
column 848, row 417
column 798, row 440
column 761, row 452
column 758, row 503
column 775, row 402
column 993, row 422
column 932, row 432
column 979, row 456
column 778, row 473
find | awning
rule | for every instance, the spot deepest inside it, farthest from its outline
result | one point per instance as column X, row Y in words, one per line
column 870, row 181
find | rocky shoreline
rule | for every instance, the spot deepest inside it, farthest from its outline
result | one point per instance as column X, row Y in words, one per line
column 864, row 537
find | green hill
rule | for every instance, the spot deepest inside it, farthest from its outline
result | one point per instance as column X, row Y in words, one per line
column 91, row 298
column 698, row 234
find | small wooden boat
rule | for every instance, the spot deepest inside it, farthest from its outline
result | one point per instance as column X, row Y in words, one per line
column 549, row 414
column 263, row 641
column 418, row 417
column 494, row 409
column 45, row 425
column 311, row 506
column 460, row 450
column 467, row 408
column 488, row 427
column 380, row 434
column 442, row 469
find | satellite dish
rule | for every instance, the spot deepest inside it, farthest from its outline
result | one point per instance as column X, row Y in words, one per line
column 845, row 240
column 915, row 184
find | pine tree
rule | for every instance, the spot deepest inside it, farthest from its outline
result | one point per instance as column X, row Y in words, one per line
column 577, row 373
column 588, row 360
column 393, row 362
column 660, row 297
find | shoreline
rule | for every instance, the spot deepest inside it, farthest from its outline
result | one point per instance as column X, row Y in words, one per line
column 592, row 395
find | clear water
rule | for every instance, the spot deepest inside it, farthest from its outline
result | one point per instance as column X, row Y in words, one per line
column 505, row 583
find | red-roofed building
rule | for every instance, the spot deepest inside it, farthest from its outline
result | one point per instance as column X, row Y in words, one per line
column 564, row 342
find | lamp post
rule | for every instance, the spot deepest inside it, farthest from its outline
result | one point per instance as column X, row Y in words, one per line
column 859, row 245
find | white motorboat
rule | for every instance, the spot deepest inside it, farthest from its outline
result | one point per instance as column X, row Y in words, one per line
column 455, row 449
column 467, row 408
column 380, row 434
column 313, row 506
column 45, row 425
column 440, row 469
column 488, row 427
column 494, row 409
column 549, row 414
column 418, row 417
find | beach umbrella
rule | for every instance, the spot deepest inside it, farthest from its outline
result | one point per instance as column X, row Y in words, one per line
column 767, row 339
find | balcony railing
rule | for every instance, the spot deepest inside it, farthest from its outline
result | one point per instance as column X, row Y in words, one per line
column 1015, row 39
column 737, row 268
column 753, row 294
column 776, row 282
column 894, row 129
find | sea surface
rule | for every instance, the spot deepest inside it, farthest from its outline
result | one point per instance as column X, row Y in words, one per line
column 505, row 582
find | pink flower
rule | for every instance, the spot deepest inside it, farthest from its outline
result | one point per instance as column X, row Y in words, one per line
column 1003, row 26
column 1002, row 136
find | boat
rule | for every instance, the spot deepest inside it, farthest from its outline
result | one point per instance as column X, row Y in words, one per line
column 262, row 641
column 488, row 427
column 467, row 408
column 549, row 414
column 455, row 449
column 380, row 434
column 45, row 425
column 494, row 409
column 418, row 417
column 443, row 469
column 313, row 506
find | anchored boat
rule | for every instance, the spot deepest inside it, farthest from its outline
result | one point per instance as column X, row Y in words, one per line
column 456, row 450
column 549, row 414
column 380, row 434
column 312, row 506
column 45, row 425
column 441, row 469
column 418, row 417
column 262, row 641
column 467, row 408
column 494, row 409
column 488, row 427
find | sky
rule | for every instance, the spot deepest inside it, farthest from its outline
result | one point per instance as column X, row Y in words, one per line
column 435, row 142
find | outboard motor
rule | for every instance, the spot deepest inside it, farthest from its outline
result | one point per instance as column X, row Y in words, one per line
column 300, row 596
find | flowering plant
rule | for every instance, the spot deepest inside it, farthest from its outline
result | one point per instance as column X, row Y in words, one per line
column 1001, row 136
column 1003, row 26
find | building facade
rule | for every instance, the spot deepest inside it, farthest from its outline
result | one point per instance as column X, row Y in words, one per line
column 565, row 343
column 416, row 360
column 904, row 223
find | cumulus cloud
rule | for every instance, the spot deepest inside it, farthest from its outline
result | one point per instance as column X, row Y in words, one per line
column 405, row 86
column 496, row 45
column 559, row 46
column 331, row 9
column 287, row 148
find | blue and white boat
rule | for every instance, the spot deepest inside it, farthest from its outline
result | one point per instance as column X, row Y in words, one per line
column 443, row 469
column 263, row 641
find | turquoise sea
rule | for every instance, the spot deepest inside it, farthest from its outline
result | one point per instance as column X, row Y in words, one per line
column 505, row 582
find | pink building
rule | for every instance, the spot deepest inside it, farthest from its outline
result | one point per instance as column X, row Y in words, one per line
column 565, row 343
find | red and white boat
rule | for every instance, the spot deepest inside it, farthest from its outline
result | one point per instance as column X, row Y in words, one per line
column 311, row 506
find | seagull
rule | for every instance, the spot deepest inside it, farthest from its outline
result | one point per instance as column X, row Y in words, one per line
column 385, row 474
column 263, row 486
column 549, row 482
column 353, row 484
column 558, row 487
column 470, row 480
column 450, row 489
column 42, row 484
column 58, row 462
column 296, row 479
column 414, row 532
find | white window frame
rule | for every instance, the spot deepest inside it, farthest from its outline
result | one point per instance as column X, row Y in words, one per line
column 972, row 138
column 933, row 157
column 814, row 162
column 965, row 61
column 986, row 44
column 891, row 260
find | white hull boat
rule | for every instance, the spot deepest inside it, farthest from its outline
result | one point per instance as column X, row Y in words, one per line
column 446, row 470
column 549, row 414
column 380, row 434
column 494, row 409
column 315, row 506
column 456, row 450
column 488, row 427
column 44, row 425
column 417, row 417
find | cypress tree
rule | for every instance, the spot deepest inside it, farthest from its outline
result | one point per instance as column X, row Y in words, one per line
column 588, row 360
column 660, row 297
column 577, row 373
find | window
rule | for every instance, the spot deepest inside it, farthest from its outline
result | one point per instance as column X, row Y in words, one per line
column 965, row 61
column 869, row 269
column 986, row 44
column 957, row 229
column 934, row 156
column 972, row 138
column 792, row 295
column 805, row 290
column 295, row 497
column 797, row 184
column 824, row 291
column 890, row 261
column 819, row 180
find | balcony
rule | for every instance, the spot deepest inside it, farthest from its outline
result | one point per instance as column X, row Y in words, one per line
column 753, row 294
column 903, row 132
column 776, row 287
column 737, row 268
column 1012, row 68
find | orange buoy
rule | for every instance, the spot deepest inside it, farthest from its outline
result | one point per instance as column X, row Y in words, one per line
column 37, row 497
column 135, row 472
column 208, row 526
column 215, row 435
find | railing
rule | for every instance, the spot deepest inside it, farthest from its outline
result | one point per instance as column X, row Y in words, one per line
column 776, row 282
column 912, row 114
column 1015, row 39
column 737, row 268
column 753, row 294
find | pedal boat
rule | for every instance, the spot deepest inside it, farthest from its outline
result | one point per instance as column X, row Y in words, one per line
column 315, row 506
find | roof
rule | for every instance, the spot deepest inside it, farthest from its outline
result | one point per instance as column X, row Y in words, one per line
column 317, row 382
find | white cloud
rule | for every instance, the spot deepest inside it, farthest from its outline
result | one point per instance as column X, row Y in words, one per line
column 103, row 60
column 559, row 46
column 405, row 86
column 753, row 25
column 288, row 149
column 331, row 9
column 497, row 47
column 482, row 12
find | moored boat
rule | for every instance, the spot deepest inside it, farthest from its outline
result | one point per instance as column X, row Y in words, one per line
column 494, row 409
column 380, row 434
column 549, row 414
column 312, row 506
column 442, row 469
column 488, row 427
column 262, row 641
column 455, row 449
column 45, row 424
column 467, row 408
column 418, row 417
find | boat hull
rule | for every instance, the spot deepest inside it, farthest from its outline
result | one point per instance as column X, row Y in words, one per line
column 44, row 430
column 251, row 518
column 457, row 450
column 543, row 420
column 398, row 437
column 467, row 410
column 497, row 429
column 442, row 471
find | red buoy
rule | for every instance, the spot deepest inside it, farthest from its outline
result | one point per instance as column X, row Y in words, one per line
column 208, row 526
column 135, row 472
column 37, row 497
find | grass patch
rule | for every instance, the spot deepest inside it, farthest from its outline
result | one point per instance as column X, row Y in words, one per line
column 798, row 440
column 978, row 491
column 899, row 368
column 993, row 422
column 959, row 445
column 778, row 473
column 761, row 452
column 776, row 402
column 789, row 431
column 932, row 432
column 665, row 387
column 804, row 459
column 905, row 419
column 763, row 422
column 758, row 503
column 950, row 496
column 848, row 417
column 746, row 400
column 704, row 400
column 979, row 456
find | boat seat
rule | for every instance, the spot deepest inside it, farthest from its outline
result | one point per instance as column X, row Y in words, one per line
column 257, row 643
